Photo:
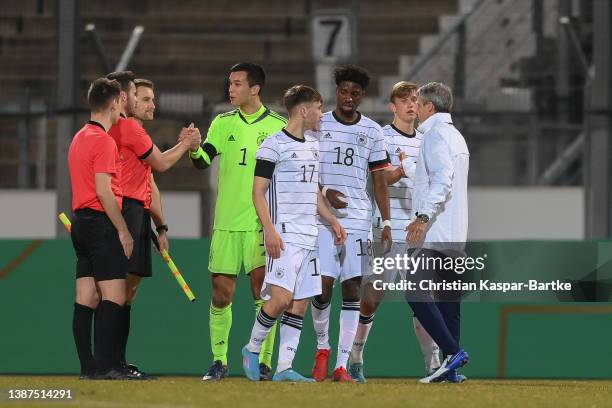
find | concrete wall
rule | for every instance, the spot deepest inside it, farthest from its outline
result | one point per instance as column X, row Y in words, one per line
column 33, row 214
column 526, row 213
column 495, row 213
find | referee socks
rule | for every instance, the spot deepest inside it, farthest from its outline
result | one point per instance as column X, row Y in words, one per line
column 108, row 321
column 81, row 330
column 124, row 332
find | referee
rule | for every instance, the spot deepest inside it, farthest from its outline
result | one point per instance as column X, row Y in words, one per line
column 139, row 156
column 99, row 235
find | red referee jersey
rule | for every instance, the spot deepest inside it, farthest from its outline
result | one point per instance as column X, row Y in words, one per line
column 92, row 151
column 135, row 145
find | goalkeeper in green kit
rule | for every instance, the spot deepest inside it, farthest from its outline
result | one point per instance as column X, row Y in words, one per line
column 237, row 238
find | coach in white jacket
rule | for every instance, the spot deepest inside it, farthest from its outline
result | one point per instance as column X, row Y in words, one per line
column 440, row 222
column 439, row 197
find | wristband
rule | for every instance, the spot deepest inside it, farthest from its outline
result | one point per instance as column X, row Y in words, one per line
column 386, row 223
column 162, row 227
column 198, row 153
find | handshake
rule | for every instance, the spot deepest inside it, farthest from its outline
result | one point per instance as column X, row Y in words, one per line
column 190, row 137
column 407, row 165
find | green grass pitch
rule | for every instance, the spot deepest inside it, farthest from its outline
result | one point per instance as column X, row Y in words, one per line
column 187, row 392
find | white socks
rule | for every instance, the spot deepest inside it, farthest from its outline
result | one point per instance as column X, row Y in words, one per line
column 349, row 319
column 320, row 318
column 261, row 328
column 429, row 348
column 290, row 330
column 363, row 329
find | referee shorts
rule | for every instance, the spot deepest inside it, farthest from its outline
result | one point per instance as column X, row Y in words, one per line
column 98, row 250
column 138, row 220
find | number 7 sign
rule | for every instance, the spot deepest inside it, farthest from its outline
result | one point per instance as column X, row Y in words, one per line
column 333, row 36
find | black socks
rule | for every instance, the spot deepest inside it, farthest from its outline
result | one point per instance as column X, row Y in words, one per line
column 124, row 332
column 108, row 329
column 81, row 330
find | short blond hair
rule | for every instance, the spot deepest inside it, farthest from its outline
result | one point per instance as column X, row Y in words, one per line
column 143, row 82
column 402, row 89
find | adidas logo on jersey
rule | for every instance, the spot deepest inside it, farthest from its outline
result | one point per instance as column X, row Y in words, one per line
column 231, row 138
column 327, row 136
column 294, row 156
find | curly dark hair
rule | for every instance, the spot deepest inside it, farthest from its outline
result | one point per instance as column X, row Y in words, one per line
column 352, row 73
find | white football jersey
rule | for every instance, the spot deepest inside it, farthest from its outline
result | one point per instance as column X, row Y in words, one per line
column 292, row 195
column 349, row 151
column 400, row 193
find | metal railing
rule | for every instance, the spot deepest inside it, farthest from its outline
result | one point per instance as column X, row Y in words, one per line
column 490, row 55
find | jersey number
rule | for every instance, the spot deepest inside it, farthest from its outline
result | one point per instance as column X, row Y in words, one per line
column 243, row 162
column 312, row 169
column 348, row 156
column 314, row 263
column 369, row 248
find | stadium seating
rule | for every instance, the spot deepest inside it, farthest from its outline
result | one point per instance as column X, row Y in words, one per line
column 188, row 47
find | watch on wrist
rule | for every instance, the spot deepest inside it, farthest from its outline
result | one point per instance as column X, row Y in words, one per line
column 162, row 227
column 424, row 218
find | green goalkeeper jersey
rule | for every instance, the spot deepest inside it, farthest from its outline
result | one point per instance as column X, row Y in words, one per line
column 235, row 138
